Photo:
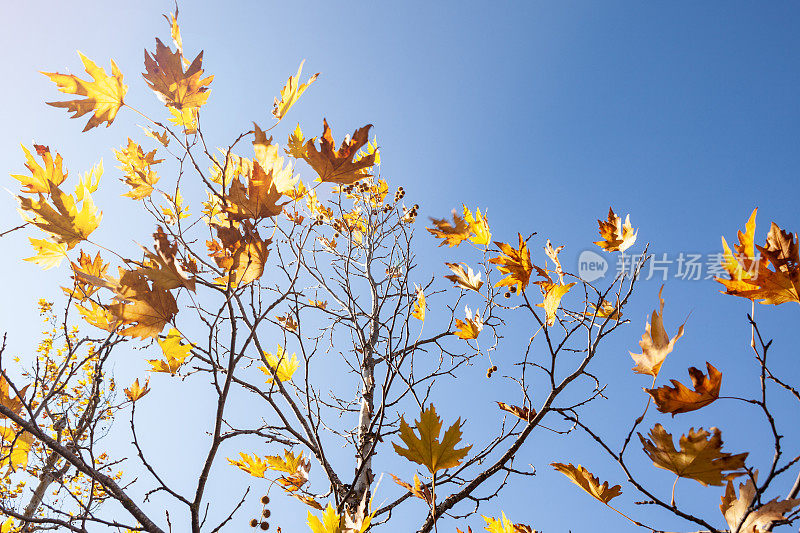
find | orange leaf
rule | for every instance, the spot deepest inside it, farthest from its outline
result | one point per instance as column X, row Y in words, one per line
column 679, row 399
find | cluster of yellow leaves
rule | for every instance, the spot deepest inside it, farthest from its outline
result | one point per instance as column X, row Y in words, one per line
column 588, row 482
column 771, row 276
column 137, row 167
column 700, row 457
column 617, row 236
column 473, row 227
column 427, row 450
column 502, row 525
column 656, row 344
column 174, row 353
column 279, row 364
column 680, row 399
column 294, row 468
column 333, row 522
column 761, row 518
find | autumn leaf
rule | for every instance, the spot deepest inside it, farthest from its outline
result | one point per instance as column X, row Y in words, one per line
column 186, row 118
column 242, row 253
column 679, row 399
column 98, row 316
column 268, row 158
column 253, row 465
column 464, row 277
column 478, row 226
column 259, row 199
column 145, row 313
column 553, row 292
column 330, row 523
column 337, row 166
column 588, row 482
column 515, row 264
column 426, row 449
column 137, row 167
column 175, row 30
column 41, row 176
column 418, row 311
column 104, row 95
column 418, row 490
column 136, row 391
column 606, row 310
column 164, row 74
column 163, row 268
column 470, row 327
column 359, row 520
column 14, row 404
column 295, row 144
column 14, row 447
column 656, row 344
column 173, row 351
column 86, row 266
column 524, row 413
column 48, row 254
column 291, row 92
column 295, row 468
column 162, row 137
column 504, row 525
column 281, row 364
column 761, row 518
column 617, row 236
column 451, row 234
column 700, row 457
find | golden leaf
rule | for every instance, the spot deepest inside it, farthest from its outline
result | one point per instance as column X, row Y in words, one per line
column 104, row 95
column 144, row 311
column 136, row 391
column 617, row 236
column 419, row 306
column 465, row 279
column 451, row 234
column 48, row 254
column 253, row 465
column 98, row 316
column 478, row 226
column 137, row 167
column 515, row 264
column 552, row 299
column 700, row 458
column 588, row 482
column 14, row 404
column 163, row 268
column 281, row 364
column 330, row 523
column 761, row 518
column 418, row 490
column 174, row 352
column 164, row 74
column 426, row 449
column 504, row 525
column 41, row 177
column 14, row 447
column 95, row 269
column 655, row 343
column 291, row 92
column 337, row 166
column 470, row 327
column 679, row 399
column 524, row 413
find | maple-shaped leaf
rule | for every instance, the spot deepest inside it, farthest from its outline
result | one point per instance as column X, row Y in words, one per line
column 164, row 74
column 588, row 482
column 253, row 465
column 524, row 413
column 94, row 268
column 61, row 218
column 464, row 277
column 146, row 313
column 451, row 234
column 137, row 167
column 700, row 457
column 337, row 166
column 259, row 199
column 14, row 447
column 162, row 137
column 418, row 490
column 679, row 399
column 427, row 449
column 656, row 344
column 163, row 268
column 136, row 391
column 418, row 311
column 553, row 292
column 295, row 467
column 504, row 525
column 470, row 327
column 295, row 145
column 267, row 155
column 761, row 518
column 15, row 404
column 98, row 316
column 606, row 310
column 281, row 364
column 241, row 252
column 41, row 176
column 478, row 226
column 617, row 236
column 174, row 353
column 330, row 522
column 186, row 118
column 104, row 95
column 291, row 92
column 515, row 263
column 49, row 254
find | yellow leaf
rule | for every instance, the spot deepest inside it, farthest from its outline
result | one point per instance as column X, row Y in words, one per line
column 137, row 167
column 61, row 219
column 470, row 327
column 186, row 118
column 281, row 364
column 162, row 266
column 426, row 449
column 465, row 279
column 98, row 316
column 504, row 525
column 337, row 166
column 585, row 480
column 417, row 490
column 14, row 447
column 419, row 306
column 48, row 254
column 515, row 264
column 175, row 211
column 295, row 145
column 330, row 523
column 479, row 226
column 616, row 235
column 451, row 234
column 655, row 343
column 679, row 399
column 291, row 92
column 253, row 465
column 104, row 95
column 700, row 458
column 164, row 74
column 162, row 137
column 14, row 404
column 41, row 177
column 136, row 391
column 145, row 311
column 175, row 30
column 174, row 353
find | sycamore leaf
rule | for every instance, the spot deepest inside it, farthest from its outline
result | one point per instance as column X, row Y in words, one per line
column 41, row 177
column 95, row 268
column 337, row 166
column 162, row 137
column 772, row 276
column 146, row 313
column 515, row 264
column 14, row 447
column 137, row 167
column 186, row 118
column 700, row 457
column 524, row 413
column 253, row 465
column 281, row 364
column 164, row 74
column 617, row 237
column 426, row 449
column 103, row 95
column 7, row 526
column 259, row 199
column 330, row 523
column 470, row 327
column 553, row 292
column 175, row 30
column 175, row 210
column 62, row 219
column 656, row 344
column 478, row 226
column 136, row 391
column 162, row 266
column 679, row 399
column 49, row 254
column 761, row 518
column 14, row 404
column 174, row 353
column 451, row 234
column 466, row 279
column 242, row 255
column 295, row 468
column 417, row 490
column 588, row 482
column 291, row 92
column 267, row 156
column 606, row 310
column 295, row 145
column 419, row 306
column 98, row 316
column 504, row 525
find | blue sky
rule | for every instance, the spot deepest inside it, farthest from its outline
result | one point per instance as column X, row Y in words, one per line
column 684, row 115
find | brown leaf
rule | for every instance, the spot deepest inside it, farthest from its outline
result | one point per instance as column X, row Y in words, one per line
column 656, row 343
column 679, row 399
column 451, row 234
column 760, row 519
column 585, row 480
column 337, row 166
column 417, row 490
column 617, row 237
column 524, row 413
column 164, row 74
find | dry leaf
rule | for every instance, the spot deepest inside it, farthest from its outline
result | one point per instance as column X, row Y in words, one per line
column 427, row 449
column 617, row 237
column 679, row 399
column 585, row 480
column 656, row 343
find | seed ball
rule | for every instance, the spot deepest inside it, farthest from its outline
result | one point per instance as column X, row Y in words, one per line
column 253, row 523
column 265, row 500
column 266, row 513
column 264, row 526
column 507, row 294
column 494, row 368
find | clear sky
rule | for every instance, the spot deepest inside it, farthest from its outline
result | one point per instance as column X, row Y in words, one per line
column 683, row 114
